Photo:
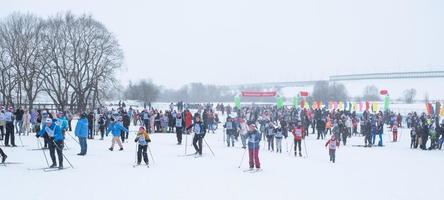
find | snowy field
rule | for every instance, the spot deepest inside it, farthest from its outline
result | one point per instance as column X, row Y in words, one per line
column 390, row 172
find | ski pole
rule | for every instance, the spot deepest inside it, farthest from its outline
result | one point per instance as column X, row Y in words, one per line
column 135, row 158
column 305, row 147
column 57, row 146
column 152, row 157
column 73, row 137
column 186, row 142
column 209, row 147
column 43, row 150
column 242, row 160
column 286, row 142
column 21, row 141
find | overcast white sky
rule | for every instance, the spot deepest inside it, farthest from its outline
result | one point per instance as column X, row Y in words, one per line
column 175, row 42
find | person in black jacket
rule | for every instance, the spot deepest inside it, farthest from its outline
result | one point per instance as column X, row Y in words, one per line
column 90, row 125
column 199, row 133
column 126, row 120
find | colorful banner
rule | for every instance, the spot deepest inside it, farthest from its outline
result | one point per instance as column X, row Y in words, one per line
column 258, row 94
column 375, row 107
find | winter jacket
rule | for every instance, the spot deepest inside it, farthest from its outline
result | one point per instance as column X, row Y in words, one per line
column 115, row 129
column 55, row 131
column 254, row 138
column 198, row 129
column 332, row 144
column 297, row 133
column 142, row 138
column 81, row 128
column 63, row 123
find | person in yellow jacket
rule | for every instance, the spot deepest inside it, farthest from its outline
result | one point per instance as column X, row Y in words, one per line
column 142, row 139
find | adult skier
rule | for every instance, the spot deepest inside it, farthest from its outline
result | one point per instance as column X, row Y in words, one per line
column 254, row 138
column 199, row 133
column 55, row 141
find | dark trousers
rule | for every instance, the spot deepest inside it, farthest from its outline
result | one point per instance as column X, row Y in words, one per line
column 9, row 134
column 69, row 125
column 297, row 145
column 122, row 136
column 90, row 132
column 53, row 147
column 2, row 132
column 320, row 134
column 83, row 145
column 141, row 151
column 332, row 153
column 102, row 131
column 126, row 133
column 197, row 144
column 179, row 134
column 2, row 153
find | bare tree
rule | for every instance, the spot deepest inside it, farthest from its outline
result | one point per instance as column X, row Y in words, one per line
column 22, row 39
column 371, row 93
column 409, row 95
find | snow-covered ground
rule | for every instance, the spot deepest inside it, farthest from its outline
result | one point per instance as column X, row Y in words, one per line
column 390, row 172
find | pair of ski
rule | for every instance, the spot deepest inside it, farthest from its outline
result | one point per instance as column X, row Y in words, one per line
column 189, row 155
column 252, row 170
column 10, row 163
column 48, row 169
column 134, row 166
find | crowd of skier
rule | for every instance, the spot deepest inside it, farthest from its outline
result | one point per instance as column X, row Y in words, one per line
column 250, row 125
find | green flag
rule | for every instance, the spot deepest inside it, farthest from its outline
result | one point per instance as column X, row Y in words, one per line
column 237, row 102
column 386, row 102
column 279, row 102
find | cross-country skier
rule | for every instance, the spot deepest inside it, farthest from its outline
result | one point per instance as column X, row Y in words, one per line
column 298, row 132
column 179, row 122
column 231, row 130
column 142, row 139
column 55, row 141
column 278, row 136
column 115, row 129
column 199, row 133
column 254, row 138
column 332, row 144
column 81, row 131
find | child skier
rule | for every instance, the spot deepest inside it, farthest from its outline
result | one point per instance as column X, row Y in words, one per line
column 332, row 144
column 142, row 139
column 297, row 134
column 395, row 132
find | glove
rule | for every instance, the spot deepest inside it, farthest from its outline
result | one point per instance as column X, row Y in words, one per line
column 149, row 140
column 37, row 135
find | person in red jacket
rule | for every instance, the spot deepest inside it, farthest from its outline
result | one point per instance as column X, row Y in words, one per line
column 332, row 144
column 298, row 132
column 188, row 120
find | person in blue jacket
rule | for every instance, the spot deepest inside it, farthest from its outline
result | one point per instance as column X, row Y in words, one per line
column 81, row 131
column 254, row 138
column 115, row 129
column 55, row 141
column 62, row 122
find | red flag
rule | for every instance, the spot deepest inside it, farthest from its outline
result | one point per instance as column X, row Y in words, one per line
column 367, row 105
column 302, row 103
column 303, row 93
